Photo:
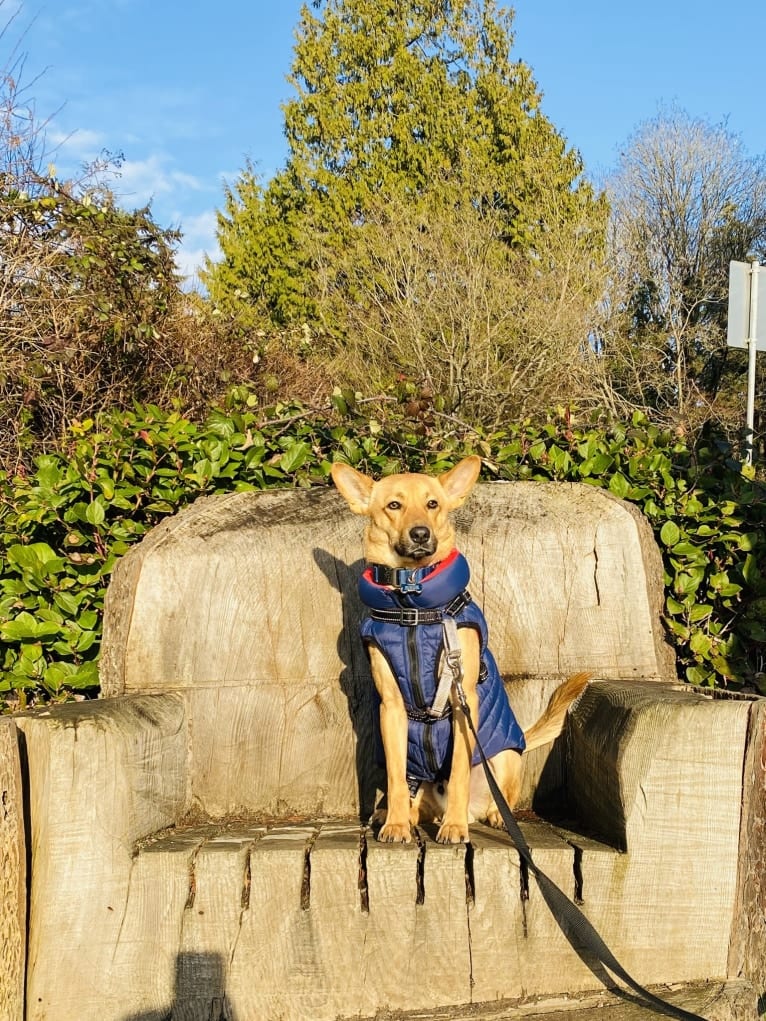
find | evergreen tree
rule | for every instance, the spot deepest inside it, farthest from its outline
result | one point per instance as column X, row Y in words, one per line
column 400, row 100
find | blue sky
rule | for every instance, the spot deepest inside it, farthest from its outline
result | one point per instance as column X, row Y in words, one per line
column 189, row 91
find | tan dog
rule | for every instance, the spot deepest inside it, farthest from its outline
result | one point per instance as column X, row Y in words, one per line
column 409, row 527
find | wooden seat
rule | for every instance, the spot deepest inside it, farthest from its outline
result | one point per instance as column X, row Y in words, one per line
column 196, row 839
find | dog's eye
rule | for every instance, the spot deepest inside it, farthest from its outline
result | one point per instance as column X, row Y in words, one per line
column 394, row 505
column 432, row 504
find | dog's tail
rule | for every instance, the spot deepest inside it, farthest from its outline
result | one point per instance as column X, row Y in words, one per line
column 551, row 723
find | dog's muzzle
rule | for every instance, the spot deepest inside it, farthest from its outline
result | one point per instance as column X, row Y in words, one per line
column 419, row 542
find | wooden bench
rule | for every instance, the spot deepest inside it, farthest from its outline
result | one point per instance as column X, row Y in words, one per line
column 196, row 842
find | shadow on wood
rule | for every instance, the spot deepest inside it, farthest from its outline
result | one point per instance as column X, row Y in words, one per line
column 199, row 992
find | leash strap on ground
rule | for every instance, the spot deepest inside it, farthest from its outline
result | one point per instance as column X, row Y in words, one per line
column 568, row 916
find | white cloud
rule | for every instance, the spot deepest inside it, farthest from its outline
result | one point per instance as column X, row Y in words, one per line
column 198, row 241
column 140, row 181
column 81, row 141
column 189, row 261
column 136, row 181
column 201, row 227
column 81, row 145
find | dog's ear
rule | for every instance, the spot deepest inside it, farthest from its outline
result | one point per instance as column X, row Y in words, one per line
column 354, row 487
column 458, row 482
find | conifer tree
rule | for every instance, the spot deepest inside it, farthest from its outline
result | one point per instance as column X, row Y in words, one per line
column 414, row 101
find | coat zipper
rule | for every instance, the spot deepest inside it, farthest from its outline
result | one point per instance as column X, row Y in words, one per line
column 413, row 657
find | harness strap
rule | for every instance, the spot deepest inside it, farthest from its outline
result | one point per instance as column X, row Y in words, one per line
column 424, row 715
column 573, row 923
column 451, row 669
column 412, row 616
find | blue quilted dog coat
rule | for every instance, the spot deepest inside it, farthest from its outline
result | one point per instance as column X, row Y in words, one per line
column 414, row 653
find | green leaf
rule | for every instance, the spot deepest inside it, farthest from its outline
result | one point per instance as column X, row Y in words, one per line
column 35, row 556
column 94, row 513
column 750, row 570
column 697, row 675
column 619, row 485
column 26, row 627
column 670, row 533
column 700, row 643
column 560, row 459
column 85, row 676
column 57, row 674
column 688, row 581
column 296, row 455
column 106, row 486
column 679, row 629
column 700, row 611
column 88, row 619
column 339, row 402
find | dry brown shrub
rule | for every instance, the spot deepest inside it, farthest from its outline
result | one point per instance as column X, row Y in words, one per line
column 440, row 297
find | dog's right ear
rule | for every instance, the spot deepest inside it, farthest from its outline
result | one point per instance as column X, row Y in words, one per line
column 354, row 487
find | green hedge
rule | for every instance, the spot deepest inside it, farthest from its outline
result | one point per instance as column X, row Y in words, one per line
column 65, row 524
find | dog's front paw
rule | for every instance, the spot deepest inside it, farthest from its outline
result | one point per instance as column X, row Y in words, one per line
column 452, row 833
column 395, row 833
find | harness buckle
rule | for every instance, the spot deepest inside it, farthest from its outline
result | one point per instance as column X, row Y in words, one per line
column 434, row 715
column 413, row 783
column 409, row 616
column 459, row 603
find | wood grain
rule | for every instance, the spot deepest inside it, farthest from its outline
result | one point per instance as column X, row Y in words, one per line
column 747, row 955
column 13, row 868
column 101, row 776
column 657, row 772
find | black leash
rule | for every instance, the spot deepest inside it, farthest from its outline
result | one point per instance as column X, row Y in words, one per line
column 570, row 919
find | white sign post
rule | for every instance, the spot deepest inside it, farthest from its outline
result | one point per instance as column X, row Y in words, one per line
column 747, row 327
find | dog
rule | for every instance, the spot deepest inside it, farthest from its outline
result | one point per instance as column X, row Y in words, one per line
column 414, row 580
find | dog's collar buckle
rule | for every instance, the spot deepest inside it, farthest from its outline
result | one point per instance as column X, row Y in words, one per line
column 407, row 580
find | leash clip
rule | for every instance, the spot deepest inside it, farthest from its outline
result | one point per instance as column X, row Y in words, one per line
column 455, row 663
column 462, row 700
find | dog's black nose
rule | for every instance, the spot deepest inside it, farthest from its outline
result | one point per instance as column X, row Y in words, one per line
column 420, row 533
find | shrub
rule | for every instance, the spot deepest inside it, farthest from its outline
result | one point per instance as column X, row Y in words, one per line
column 65, row 524
column 86, row 293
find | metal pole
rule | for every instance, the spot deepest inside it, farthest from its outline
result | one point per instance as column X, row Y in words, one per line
column 751, row 353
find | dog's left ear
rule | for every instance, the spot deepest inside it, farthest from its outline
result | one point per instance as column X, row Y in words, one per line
column 354, row 487
column 458, row 482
